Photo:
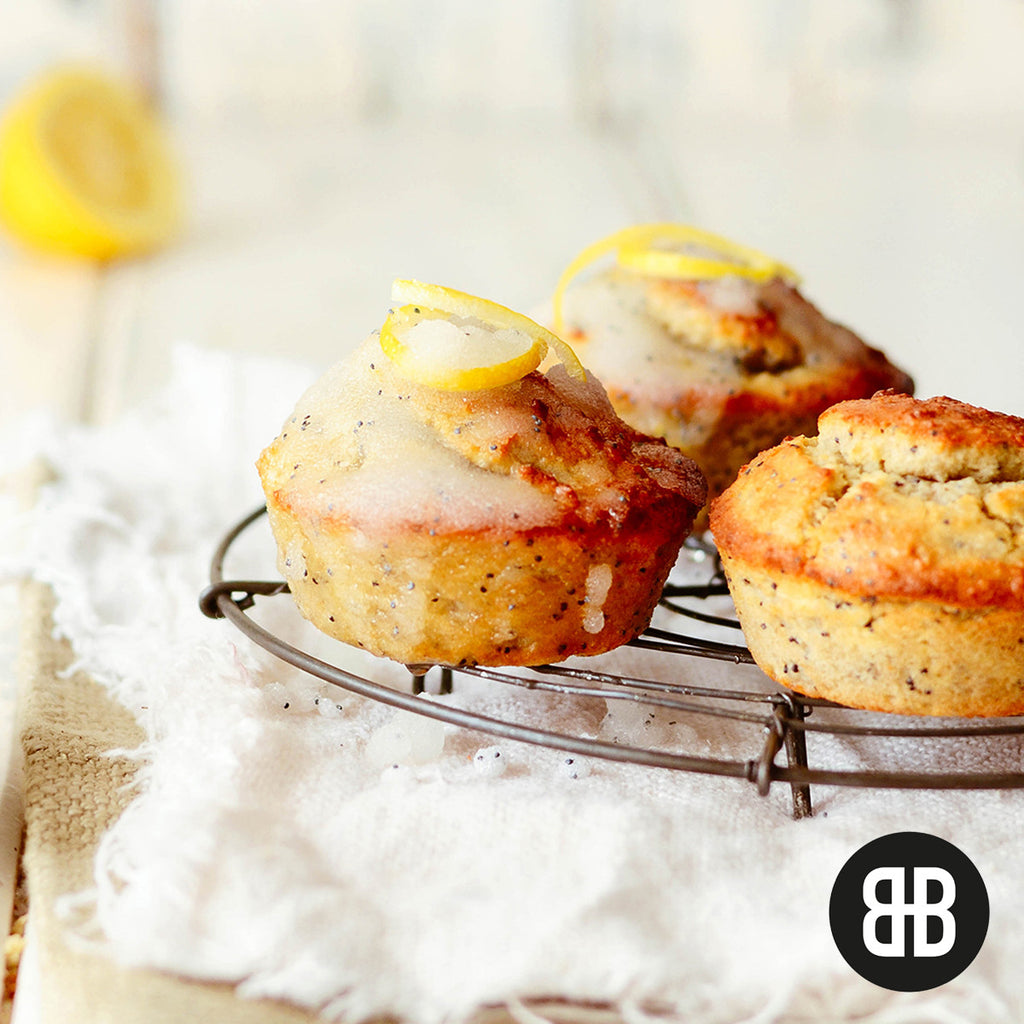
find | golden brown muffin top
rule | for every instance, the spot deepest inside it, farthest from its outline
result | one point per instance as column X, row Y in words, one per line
column 369, row 448
column 895, row 497
column 655, row 338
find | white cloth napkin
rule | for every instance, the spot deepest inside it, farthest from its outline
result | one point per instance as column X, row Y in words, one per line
column 307, row 844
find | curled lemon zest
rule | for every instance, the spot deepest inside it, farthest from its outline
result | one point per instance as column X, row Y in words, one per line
column 636, row 249
column 441, row 302
column 444, row 376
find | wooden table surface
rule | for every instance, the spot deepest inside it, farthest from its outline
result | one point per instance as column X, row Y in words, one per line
column 296, row 230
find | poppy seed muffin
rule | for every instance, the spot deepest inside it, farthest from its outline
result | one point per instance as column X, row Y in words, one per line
column 721, row 368
column 881, row 563
column 511, row 525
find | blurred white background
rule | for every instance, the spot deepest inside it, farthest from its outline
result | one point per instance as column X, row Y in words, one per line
column 331, row 145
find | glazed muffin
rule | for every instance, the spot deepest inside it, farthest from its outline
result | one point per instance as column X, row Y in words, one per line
column 711, row 345
column 498, row 516
column 880, row 564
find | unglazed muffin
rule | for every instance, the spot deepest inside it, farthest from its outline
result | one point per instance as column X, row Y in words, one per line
column 880, row 564
column 513, row 524
column 722, row 364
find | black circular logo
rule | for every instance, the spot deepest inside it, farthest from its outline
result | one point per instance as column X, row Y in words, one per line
column 909, row 911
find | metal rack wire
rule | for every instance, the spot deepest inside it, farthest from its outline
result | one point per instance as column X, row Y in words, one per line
column 779, row 721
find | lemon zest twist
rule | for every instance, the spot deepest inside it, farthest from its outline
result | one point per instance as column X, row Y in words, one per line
column 636, row 249
column 419, row 301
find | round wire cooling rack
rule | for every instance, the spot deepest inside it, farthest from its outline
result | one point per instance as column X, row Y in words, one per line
column 779, row 722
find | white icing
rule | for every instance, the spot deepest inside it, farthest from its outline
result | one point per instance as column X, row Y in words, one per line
column 367, row 453
column 368, row 448
column 629, row 349
column 599, row 581
column 732, row 294
column 462, row 343
column 626, row 346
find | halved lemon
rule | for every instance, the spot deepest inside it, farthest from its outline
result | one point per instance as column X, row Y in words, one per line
column 454, row 341
column 673, row 251
column 85, row 168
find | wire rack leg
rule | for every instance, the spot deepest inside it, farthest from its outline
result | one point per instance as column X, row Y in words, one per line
column 796, row 756
column 780, row 734
column 419, row 678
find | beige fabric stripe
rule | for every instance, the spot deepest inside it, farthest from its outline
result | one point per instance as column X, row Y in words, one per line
column 73, row 792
